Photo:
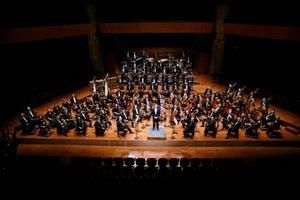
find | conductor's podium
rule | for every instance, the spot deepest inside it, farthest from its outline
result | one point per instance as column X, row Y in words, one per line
column 157, row 134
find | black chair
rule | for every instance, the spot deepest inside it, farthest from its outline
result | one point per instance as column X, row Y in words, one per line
column 176, row 171
column 128, row 168
column 139, row 170
column 173, row 162
column 118, row 168
column 151, row 162
column 118, row 162
column 163, row 171
column 151, row 170
column 107, row 168
column 196, row 167
column 187, row 171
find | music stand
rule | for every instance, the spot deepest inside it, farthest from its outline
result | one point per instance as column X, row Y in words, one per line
column 136, row 135
column 136, row 131
column 173, row 132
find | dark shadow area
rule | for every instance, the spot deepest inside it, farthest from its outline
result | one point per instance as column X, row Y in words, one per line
column 33, row 73
column 72, row 176
column 266, row 64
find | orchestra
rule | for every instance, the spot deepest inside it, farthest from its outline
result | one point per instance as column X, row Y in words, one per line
column 158, row 90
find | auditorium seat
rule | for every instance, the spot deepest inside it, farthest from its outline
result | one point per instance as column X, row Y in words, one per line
column 163, row 171
column 196, row 169
column 174, row 162
column 128, row 168
column 151, row 170
column 184, row 162
column 139, row 170
column 175, row 168
column 195, row 162
column 187, row 171
column 107, row 168
column 118, row 162
column 151, row 162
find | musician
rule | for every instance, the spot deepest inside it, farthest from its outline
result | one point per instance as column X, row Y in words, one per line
column 230, row 88
column 130, row 85
column 96, row 97
column 207, row 104
column 251, row 126
column 134, row 68
column 233, row 130
column 186, row 120
column 119, row 94
column 66, row 104
column 31, row 115
column 175, row 87
column 116, row 111
column 143, row 79
column 185, row 96
column 211, row 127
column 155, row 117
column 239, row 94
column 165, row 87
column 120, row 80
column 269, row 118
column 65, row 112
column 265, row 104
column 218, row 95
column 50, row 117
column 85, row 117
column 62, row 126
column 189, row 130
column 154, row 85
column 56, row 109
column 122, row 127
column 74, row 100
column 44, row 129
column 273, row 128
column 104, row 118
column 251, row 95
column 136, row 113
column 207, row 92
column 136, row 95
column 147, row 110
column 227, row 120
column 99, row 126
column 164, row 78
column 186, row 88
column 197, row 110
column 26, row 125
column 165, row 90
column 81, row 126
column 125, row 114
column 142, row 83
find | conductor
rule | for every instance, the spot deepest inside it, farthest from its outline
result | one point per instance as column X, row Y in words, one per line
column 155, row 117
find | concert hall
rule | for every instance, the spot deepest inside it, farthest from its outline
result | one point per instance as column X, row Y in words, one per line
column 117, row 98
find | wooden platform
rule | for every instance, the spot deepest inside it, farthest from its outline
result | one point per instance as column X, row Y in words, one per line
column 174, row 137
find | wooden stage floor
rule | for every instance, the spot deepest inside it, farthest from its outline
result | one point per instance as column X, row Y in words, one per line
column 114, row 146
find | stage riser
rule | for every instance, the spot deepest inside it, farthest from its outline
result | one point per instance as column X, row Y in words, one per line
column 225, row 143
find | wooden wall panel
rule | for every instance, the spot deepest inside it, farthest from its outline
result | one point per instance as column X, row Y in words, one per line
column 263, row 31
column 129, row 28
column 18, row 35
column 202, row 62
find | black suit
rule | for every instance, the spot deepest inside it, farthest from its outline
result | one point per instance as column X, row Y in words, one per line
column 155, row 116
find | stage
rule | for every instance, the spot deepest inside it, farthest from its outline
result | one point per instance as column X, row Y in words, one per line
column 173, row 141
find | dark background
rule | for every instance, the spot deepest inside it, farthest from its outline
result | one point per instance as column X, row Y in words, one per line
column 33, row 72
